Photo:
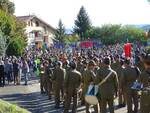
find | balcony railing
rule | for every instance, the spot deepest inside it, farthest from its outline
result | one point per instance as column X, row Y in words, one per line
column 38, row 39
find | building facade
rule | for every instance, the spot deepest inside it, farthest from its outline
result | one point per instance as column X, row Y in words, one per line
column 39, row 33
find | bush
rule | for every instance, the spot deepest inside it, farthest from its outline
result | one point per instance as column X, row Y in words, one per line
column 6, row 107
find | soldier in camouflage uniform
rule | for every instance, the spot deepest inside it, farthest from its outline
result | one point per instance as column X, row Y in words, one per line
column 140, row 63
column 72, row 85
column 79, row 64
column 42, row 79
column 88, row 79
column 129, row 75
column 48, row 80
column 121, row 92
column 109, row 88
column 145, row 80
column 117, row 66
column 58, row 82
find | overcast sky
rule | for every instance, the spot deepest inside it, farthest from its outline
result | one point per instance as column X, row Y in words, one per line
column 99, row 11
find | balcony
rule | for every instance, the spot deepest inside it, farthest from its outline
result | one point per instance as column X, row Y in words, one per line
column 38, row 39
column 33, row 29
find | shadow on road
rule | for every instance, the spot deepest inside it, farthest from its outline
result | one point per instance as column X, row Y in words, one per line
column 35, row 102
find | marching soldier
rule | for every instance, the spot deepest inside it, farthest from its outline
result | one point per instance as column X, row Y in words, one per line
column 129, row 75
column 109, row 86
column 121, row 92
column 72, row 85
column 117, row 66
column 140, row 63
column 42, row 79
column 58, row 83
column 79, row 64
column 145, row 80
column 48, row 79
column 97, row 65
column 84, row 62
column 88, row 79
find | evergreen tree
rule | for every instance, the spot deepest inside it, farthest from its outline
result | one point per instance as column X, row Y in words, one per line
column 82, row 23
column 60, row 32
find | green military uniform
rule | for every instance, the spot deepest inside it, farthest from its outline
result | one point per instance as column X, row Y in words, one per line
column 42, row 79
column 48, row 81
column 79, row 67
column 140, row 65
column 58, row 83
column 145, row 97
column 117, row 67
column 72, row 85
column 83, row 68
column 96, row 69
column 107, row 89
column 88, row 77
column 129, row 76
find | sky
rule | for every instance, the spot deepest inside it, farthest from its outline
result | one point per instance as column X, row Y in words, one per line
column 100, row 11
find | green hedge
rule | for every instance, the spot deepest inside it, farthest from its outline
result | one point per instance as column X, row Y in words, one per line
column 6, row 107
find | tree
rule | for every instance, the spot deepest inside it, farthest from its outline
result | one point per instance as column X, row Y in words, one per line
column 82, row 23
column 12, row 32
column 3, row 44
column 7, row 27
column 112, row 34
column 7, row 23
column 71, row 39
column 7, row 6
column 60, row 31
column 20, row 39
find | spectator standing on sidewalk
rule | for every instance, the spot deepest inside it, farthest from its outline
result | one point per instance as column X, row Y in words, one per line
column 2, row 74
column 8, row 70
column 16, row 72
column 25, row 70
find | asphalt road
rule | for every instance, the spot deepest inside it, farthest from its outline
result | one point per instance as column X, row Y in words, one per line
column 30, row 98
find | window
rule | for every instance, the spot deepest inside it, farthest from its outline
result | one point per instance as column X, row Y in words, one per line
column 36, row 34
column 45, row 31
column 37, row 23
column 28, row 23
column 31, row 23
column 31, row 35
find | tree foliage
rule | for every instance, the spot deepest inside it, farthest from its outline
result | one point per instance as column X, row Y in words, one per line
column 3, row 43
column 112, row 34
column 7, row 6
column 12, row 32
column 60, row 32
column 82, row 23
column 69, row 39
column 17, row 46
column 7, row 23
